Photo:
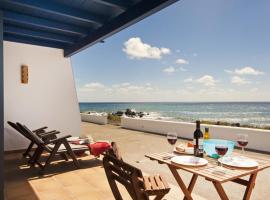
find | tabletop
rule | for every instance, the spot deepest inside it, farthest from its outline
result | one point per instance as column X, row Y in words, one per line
column 210, row 171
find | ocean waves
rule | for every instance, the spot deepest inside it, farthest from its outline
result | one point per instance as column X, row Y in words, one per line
column 246, row 113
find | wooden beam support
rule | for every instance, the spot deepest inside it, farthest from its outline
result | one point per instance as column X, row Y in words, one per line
column 55, row 9
column 50, row 25
column 38, row 34
column 33, row 41
column 138, row 12
column 120, row 4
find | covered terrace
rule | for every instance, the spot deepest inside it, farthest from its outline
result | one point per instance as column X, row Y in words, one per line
column 42, row 35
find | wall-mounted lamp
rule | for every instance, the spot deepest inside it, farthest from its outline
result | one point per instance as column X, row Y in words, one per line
column 24, row 74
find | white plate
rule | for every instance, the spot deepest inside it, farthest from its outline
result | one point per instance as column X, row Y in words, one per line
column 190, row 161
column 239, row 162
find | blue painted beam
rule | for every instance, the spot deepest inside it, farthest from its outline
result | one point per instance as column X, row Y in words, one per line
column 120, row 4
column 134, row 14
column 44, row 23
column 54, row 9
column 37, row 34
column 1, row 107
column 33, row 41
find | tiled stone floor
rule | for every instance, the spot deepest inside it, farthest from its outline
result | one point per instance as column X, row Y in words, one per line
column 63, row 182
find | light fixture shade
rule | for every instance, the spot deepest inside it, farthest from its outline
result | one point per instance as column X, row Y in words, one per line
column 24, row 74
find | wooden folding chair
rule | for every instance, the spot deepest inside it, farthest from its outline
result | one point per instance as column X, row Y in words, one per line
column 58, row 146
column 39, row 132
column 138, row 186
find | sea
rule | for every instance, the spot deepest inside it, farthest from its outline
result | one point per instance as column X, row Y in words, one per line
column 248, row 113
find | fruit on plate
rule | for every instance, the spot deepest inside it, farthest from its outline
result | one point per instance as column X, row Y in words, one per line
column 189, row 144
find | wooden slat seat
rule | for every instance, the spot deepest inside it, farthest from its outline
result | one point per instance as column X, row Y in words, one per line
column 155, row 184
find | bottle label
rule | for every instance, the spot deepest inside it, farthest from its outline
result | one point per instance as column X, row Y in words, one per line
column 200, row 145
column 200, row 142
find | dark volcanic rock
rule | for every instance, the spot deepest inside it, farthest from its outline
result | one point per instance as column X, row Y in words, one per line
column 119, row 113
column 130, row 113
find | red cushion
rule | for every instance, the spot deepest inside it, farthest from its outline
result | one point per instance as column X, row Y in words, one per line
column 98, row 148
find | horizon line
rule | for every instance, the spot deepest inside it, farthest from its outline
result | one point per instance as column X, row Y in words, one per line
column 174, row 101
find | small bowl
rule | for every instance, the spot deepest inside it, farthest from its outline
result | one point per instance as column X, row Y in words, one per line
column 210, row 144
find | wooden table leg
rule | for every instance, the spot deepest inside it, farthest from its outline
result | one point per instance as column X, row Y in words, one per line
column 250, row 186
column 181, row 183
column 191, row 184
column 220, row 190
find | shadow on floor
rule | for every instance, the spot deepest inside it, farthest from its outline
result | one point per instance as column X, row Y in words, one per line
column 19, row 175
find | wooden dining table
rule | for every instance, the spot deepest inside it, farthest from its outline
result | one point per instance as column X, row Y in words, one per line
column 211, row 172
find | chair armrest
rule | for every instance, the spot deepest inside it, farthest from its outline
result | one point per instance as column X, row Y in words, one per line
column 40, row 129
column 49, row 134
column 58, row 139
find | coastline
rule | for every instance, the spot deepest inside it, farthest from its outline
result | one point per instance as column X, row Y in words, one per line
column 236, row 114
column 116, row 120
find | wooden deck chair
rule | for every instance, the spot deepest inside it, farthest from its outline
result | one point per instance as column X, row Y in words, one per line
column 138, row 186
column 58, row 146
column 39, row 132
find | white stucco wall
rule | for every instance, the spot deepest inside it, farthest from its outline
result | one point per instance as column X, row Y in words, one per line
column 48, row 99
column 258, row 139
column 97, row 119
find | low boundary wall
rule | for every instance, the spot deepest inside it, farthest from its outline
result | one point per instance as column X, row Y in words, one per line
column 259, row 139
column 97, row 119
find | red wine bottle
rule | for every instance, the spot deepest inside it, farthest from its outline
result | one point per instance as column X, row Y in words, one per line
column 198, row 140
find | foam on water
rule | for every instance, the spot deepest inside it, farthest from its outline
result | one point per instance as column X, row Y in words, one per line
column 251, row 113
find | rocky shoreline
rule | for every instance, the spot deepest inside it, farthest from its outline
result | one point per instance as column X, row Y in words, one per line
column 115, row 118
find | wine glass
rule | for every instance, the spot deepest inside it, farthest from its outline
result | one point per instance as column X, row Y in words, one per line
column 221, row 150
column 172, row 138
column 242, row 140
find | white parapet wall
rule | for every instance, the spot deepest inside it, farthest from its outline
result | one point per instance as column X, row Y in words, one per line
column 94, row 118
column 258, row 139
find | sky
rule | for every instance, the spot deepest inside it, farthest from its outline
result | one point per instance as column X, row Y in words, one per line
column 194, row 50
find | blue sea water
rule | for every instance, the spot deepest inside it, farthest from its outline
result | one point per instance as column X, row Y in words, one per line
column 252, row 113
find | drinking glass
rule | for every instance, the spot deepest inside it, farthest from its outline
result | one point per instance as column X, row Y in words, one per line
column 221, row 150
column 242, row 140
column 172, row 138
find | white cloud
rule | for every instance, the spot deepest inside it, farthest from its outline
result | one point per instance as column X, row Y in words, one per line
column 93, row 86
column 169, row 70
column 188, row 80
column 181, row 61
column 123, row 88
column 130, row 92
column 136, row 49
column 206, row 80
column 245, row 71
column 182, row 69
column 239, row 80
column 254, row 90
